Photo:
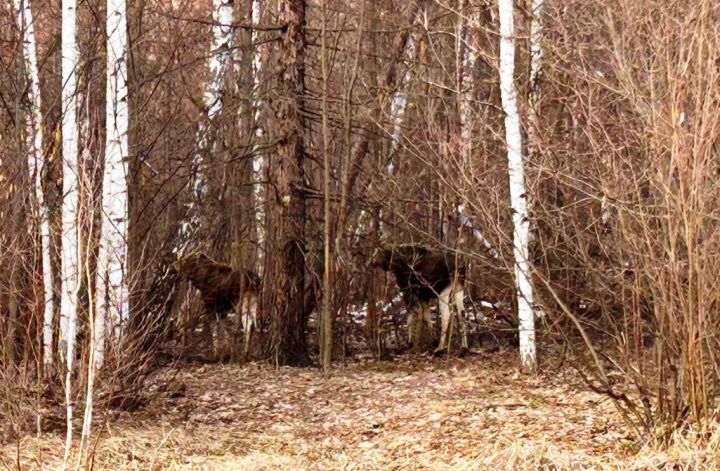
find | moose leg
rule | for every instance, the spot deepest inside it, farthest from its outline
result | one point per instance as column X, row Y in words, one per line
column 208, row 330
column 249, row 323
column 223, row 336
column 423, row 328
column 427, row 318
column 411, row 326
column 444, row 301
column 460, row 307
column 212, row 332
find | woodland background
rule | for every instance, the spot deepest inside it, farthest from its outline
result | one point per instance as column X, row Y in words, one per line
column 391, row 113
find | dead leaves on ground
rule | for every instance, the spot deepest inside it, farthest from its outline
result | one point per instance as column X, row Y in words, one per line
column 414, row 413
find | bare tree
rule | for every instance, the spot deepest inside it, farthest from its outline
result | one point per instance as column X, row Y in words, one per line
column 518, row 192
column 286, row 278
column 113, row 290
column 70, row 205
column 326, row 333
column 37, row 167
column 112, row 296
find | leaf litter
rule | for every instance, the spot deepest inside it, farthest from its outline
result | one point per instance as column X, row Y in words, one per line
column 414, row 413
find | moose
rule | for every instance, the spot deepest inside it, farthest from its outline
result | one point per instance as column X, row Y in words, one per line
column 424, row 275
column 223, row 290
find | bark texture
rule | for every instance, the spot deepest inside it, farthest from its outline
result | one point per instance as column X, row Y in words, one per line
column 518, row 196
column 286, row 274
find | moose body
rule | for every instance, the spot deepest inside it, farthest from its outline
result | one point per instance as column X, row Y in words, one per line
column 423, row 276
column 223, row 289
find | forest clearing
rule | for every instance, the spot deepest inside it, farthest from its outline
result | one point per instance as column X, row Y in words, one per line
column 359, row 234
column 478, row 412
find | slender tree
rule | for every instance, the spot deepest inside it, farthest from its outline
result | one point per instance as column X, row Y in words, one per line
column 70, row 204
column 518, row 195
column 112, row 292
column 36, row 166
column 244, row 223
column 258, row 161
column 398, row 104
column 535, row 41
column 535, row 64
column 326, row 333
column 112, row 282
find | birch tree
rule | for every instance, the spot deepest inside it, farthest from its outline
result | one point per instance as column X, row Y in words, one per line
column 112, row 293
column 36, row 166
column 465, row 83
column 70, row 233
column 399, row 102
column 535, row 46
column 112, row 283
column 258, row 161
column 518, row 196
column 220, row 58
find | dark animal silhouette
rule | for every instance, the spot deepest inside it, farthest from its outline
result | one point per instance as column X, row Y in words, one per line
column 221, row 288
column 424, row 275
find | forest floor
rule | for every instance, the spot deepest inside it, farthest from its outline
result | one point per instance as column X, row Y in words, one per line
column 416, row 412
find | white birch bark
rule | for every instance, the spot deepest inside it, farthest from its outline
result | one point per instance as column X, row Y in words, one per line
column 398, row 104
column 36, row 166
column 112, row 283
column 70, row 53
column 112, row 293
column 477, row 234
column 518, row 196
column 220, row 58
column 258, row 158
column 465, row 80
column 70, row 247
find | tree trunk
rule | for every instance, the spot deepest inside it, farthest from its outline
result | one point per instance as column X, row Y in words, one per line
column 244, row 227
column 258, row 161
column 326, row 321
column 36, row 167
column 518, row 196
column 70, row 205
column 112, row 281
column 112, row 293
column 286, row 279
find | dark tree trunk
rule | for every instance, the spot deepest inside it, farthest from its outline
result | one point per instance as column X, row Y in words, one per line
column 245, row 233
column 285, row 276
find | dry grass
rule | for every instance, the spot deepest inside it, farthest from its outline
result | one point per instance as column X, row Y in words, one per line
column 414, row 413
